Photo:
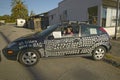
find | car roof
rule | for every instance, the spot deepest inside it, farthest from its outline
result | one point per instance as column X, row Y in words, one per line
column 90, row 25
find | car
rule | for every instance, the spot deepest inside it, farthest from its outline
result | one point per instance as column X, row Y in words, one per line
column 85, row 40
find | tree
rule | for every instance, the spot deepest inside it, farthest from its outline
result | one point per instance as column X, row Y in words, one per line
column 19, row 10
column 32, row 13
column 7, row 18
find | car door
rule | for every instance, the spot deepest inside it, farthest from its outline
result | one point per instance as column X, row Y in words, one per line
column 64, row 44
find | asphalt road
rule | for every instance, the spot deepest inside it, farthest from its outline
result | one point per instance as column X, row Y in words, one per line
column 73, row 68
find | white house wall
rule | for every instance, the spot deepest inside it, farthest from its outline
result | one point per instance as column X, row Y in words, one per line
column 77, row 10
column 55, row 15
column 111, row 31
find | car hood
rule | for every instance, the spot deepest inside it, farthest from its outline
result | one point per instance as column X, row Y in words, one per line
column 29, row 36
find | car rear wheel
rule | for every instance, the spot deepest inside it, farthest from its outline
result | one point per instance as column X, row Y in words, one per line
column 99, row 53
column 29, row 57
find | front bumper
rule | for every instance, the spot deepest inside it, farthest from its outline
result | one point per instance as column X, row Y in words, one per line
column 9, row 56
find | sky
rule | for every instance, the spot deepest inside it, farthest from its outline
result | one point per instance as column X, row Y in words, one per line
column 37, row 6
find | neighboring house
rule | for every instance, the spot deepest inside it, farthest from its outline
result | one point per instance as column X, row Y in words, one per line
column 38, row 22
column 34, row 23
column 98, row 12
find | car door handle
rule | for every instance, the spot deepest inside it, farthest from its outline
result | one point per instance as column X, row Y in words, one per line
column 76, row 40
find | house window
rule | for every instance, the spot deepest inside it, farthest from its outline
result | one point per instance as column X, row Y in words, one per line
column 109, row 17
column 65, row 15
column 52, row 17
column 104, row 13
column 93, row 14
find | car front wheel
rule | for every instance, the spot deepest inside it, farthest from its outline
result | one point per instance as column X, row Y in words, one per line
column 29, row 57
column 99, row 53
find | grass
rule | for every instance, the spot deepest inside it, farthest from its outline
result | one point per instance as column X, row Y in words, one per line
column 115, row 61
column 109, row 56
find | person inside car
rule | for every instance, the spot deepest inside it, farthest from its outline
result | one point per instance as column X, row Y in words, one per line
column 68, row 31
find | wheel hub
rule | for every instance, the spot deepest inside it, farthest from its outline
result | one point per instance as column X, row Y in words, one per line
column 29, row 58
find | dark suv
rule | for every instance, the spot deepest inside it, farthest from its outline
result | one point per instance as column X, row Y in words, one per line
column 54, row 41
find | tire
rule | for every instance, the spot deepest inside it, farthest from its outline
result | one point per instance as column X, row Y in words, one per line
column 99, row 52
column 29, row 57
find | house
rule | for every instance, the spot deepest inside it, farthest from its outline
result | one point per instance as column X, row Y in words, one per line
column 98, row 12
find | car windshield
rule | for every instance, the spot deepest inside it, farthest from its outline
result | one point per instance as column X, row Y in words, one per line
column 47, row 31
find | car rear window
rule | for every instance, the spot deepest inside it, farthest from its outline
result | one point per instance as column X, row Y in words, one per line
column 89, row 30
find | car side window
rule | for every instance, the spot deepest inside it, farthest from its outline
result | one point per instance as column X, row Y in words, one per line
column 88, row 31
column 85, row 31
column 70, row 31
column 66, row 31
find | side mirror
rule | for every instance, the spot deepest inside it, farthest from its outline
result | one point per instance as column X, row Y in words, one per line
column 50, row 37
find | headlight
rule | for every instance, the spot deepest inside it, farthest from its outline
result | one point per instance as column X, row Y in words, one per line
column 11, row 44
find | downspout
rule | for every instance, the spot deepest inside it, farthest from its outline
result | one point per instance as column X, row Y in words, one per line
column 117, row 11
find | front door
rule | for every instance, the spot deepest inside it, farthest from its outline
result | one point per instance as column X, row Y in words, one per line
column 66, row 44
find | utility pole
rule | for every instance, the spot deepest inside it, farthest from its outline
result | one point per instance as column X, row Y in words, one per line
column 117, row 17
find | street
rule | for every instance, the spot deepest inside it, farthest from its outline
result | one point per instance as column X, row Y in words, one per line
column 72, row 68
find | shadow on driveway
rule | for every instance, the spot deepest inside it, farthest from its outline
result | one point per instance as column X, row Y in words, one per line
column 35, row 74
column 5, row 38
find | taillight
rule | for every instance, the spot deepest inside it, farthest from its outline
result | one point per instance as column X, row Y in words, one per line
column 102, row 29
